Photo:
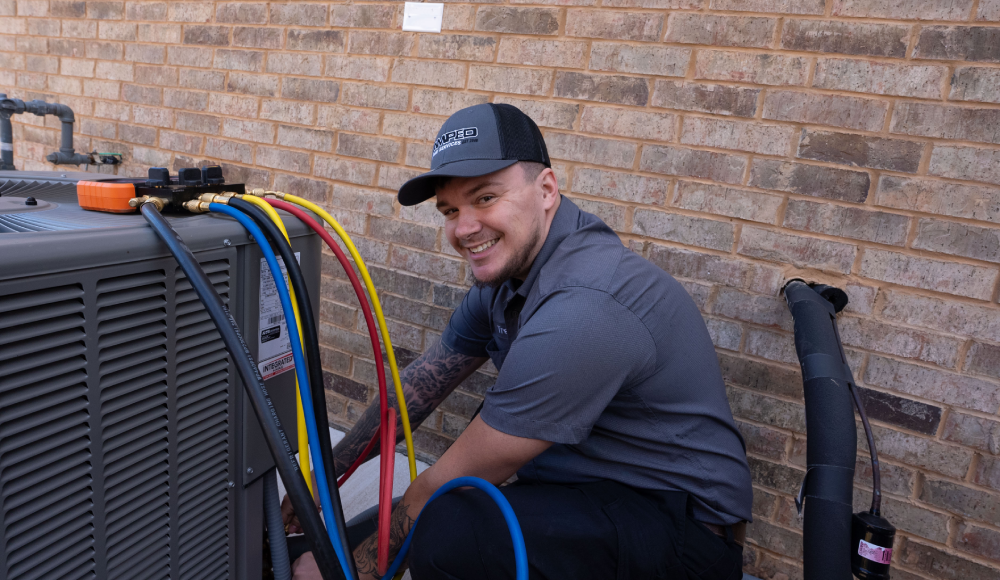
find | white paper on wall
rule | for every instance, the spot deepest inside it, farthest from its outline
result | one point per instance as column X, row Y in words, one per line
column 423, row 16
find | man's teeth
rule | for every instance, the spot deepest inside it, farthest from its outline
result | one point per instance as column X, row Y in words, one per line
column 482, row 247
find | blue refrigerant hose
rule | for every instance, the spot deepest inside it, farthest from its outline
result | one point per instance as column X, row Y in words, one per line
column 520, row 553
column 300, row 371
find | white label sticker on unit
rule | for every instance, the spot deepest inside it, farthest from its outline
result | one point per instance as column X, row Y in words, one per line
column 422, row 16
column 274, row 348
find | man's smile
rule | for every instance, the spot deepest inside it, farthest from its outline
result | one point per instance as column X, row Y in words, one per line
column 482, row 247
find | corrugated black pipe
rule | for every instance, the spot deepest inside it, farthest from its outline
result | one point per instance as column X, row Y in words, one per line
column 831, row 447
column 280, row 565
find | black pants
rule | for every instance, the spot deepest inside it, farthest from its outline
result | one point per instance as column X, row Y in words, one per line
column 600, row 531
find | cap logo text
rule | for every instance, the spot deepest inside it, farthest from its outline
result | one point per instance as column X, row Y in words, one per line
column 452, row 138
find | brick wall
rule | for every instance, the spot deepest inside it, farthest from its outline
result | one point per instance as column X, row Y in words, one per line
column 734, row 143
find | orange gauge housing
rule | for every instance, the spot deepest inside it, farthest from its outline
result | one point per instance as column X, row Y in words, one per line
column 105, row 196
column 112, row 196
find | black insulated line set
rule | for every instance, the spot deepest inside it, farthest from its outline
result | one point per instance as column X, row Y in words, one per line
column 835, row 541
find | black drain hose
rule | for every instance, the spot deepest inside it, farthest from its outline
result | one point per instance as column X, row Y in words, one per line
column 831, row 440
column 276, row 528
column 267, row 416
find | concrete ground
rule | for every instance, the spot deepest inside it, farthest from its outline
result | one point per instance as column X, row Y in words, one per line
column 361, row 490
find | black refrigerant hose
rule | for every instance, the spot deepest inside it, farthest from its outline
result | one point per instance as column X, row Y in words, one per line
column 311, row 345
column 263, row 408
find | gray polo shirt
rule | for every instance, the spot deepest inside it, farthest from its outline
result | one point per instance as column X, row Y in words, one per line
column 607, row 356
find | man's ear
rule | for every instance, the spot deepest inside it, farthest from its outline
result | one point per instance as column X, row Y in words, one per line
column 549, row 185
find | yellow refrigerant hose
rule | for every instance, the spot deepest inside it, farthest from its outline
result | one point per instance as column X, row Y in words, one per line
column 376, row 306
column 300, row 419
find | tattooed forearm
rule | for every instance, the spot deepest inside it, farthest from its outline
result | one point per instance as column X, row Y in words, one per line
column 366, row 554
column 431, row 378
column 426, row 382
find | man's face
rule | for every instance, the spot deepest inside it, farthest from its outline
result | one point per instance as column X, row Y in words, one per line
column 499, row 221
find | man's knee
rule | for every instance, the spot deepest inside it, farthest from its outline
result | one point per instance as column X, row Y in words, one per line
column 445, row 541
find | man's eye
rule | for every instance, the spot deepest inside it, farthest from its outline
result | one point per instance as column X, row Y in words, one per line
column 486, row 198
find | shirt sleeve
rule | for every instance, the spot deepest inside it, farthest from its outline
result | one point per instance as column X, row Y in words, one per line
column 568, row 362
column 468, row 330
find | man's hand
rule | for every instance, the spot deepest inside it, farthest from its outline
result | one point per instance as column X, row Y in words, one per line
column 288, row 517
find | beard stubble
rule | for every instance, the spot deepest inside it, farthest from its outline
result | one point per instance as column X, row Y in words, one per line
column 519, row 262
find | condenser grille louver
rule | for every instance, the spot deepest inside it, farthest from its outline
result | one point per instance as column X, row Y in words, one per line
column 202, row 431
column 132, row 326
column 115, row 436
column 45, row 448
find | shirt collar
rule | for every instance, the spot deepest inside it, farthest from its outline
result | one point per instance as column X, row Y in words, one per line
column 563, row 224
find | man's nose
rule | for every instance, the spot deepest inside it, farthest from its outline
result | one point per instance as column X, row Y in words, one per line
column 467, row 225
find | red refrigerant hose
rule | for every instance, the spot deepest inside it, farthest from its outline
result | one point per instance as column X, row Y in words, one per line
column 385, row 490
column 387, row 429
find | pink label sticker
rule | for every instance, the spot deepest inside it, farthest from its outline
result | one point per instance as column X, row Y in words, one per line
column 874, row 553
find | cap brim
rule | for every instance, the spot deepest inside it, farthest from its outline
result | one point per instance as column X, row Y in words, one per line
column 420, row 188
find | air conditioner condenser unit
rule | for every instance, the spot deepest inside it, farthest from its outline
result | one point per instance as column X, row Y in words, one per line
column 127, row 449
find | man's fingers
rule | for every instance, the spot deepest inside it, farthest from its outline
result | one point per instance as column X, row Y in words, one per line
column 288, row 517
column 287, row 512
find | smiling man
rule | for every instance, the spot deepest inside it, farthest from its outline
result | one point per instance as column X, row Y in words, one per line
column 609, row 405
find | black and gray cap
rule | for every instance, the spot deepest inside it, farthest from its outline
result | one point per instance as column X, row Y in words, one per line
column 476, row 141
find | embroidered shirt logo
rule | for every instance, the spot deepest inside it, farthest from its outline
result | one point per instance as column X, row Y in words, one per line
column 453, row 138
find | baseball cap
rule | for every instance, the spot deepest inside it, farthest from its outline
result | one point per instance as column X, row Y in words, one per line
column 476, row 141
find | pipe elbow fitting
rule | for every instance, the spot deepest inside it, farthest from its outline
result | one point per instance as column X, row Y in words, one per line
column 64, row 113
